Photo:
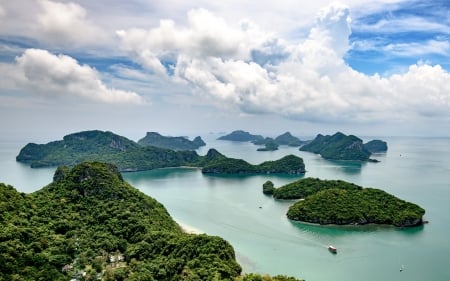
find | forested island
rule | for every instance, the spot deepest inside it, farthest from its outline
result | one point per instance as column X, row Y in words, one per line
column 270, row 144
column 174, row 143
column 242, row 136
column 129, row 156
column 89, row 224
column 342, row 147
column 289, row 164
column 343, row 203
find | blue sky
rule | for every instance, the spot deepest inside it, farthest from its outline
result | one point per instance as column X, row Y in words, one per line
column 377, row 67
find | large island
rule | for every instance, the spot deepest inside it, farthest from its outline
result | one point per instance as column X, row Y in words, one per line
column 129, row 156
column 89, row 224
column 174, row 143
column 342, row 203
column 342, row 147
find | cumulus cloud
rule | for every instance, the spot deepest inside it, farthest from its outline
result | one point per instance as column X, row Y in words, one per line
column 65, row 24
column 43, row 73
column 243, row 66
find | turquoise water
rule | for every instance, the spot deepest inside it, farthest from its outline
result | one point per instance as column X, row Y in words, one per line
column 233, row 207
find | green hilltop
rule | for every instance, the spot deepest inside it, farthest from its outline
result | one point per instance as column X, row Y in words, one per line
column 174, row 143
column 128, row 156
column 340, row 202
column 342, row 147
column 89, row 224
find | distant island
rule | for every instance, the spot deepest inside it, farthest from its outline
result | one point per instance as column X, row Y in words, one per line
column 220, row 164
column 270, row 144
column 89, row 224
column 376, row 146
column 129, row 156
column 343, row 203
column 241, row 136
column 174, row 143
column 342, row 147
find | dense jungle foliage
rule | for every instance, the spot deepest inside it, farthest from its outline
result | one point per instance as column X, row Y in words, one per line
column 356, row 206
column 174, row 143
column 304, row 187
column 130, row 156
column 89, row 224
column 338, row 147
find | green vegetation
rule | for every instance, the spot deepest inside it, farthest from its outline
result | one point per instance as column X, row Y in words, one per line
column 287, row 165
column 288, row 139
column 89, row 224
column 302, row 188
column 268, row 188
column 174, row 143
column 130, row 156
column 240, row 135
column 341, row 202
column 258, row 277
column 356, row 206
column 338, row 147
column 269, row 145
column 342, row 147
column 376, row 146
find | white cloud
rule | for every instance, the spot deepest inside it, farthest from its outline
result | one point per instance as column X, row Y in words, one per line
column 418, row 49
column 66, row 24
column 40, row 72
column 311, row 81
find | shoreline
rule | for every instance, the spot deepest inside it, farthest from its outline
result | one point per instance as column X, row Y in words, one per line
column 189, row 229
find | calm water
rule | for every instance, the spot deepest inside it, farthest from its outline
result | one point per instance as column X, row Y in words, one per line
column 415, row 169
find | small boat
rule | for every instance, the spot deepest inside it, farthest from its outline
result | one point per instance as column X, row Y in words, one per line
column 332, row 249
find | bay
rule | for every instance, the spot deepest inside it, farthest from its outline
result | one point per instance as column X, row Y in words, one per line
column 234, row 207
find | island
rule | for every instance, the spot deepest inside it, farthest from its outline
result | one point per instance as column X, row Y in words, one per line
column 241, row 136
column 344, row 203
column 339, row 147
column 89, row 224
column 129, row 156
column 270, row 144
column 289, row 140
column 174, row 143
column 302, row 188
column 217, row 163
column 376, row 146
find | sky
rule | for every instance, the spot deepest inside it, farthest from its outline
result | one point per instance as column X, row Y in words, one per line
column 369, row 68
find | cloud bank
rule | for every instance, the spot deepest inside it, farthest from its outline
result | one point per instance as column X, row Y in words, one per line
column 42, row 73
column 66, row 24
column 243, row 66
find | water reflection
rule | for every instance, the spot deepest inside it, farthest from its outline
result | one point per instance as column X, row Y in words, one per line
column 345, row 230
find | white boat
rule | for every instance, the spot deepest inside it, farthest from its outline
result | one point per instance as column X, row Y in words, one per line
column 332, row 249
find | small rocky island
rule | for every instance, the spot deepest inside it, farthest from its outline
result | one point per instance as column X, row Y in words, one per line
column 343, row 203
column 174, row 143
column 342, row 147
column 270, row 144
column 129, row 156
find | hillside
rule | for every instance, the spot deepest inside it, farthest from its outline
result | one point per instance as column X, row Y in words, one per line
column 174, row 143
column 129, row 156
column 356, row 206
column 338, row 147
column 302, row 188
column 287, row 165
column 89, row 222
column 242, row 136
column 376, row 146
column 288, row 139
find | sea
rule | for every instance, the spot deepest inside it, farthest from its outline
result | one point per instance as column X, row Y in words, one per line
column 265, row 241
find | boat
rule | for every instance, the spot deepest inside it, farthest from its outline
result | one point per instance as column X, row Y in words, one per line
column 332, row 249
